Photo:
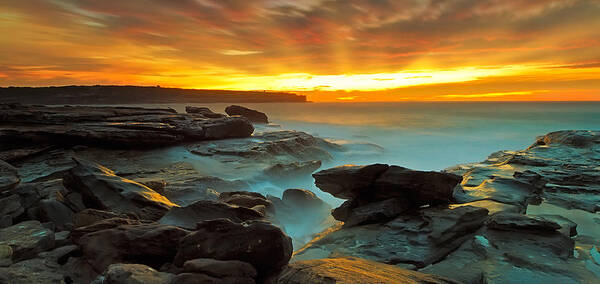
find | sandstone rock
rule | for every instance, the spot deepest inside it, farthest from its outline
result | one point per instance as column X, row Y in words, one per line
column 199, row 278
column 121, row 273
column 27, row 239
column 417, row 186
column 90, row 216
column 420, row 238
column 298, row 197
column 8, row 176
column 252, row 115
column 10, row 206
column 54, row 211
column 102, row 189
column 113, row 126
column 283, row 171
column 204, row 111
column 204, row 210
column 373, row 212
column 100, row 225
column 261, row 244
column 348, row 181
column 519, row 222
column 352, row 270
column 149, row 244
column 220, row 268
column 244, row 199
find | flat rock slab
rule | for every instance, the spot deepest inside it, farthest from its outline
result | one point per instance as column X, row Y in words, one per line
column 353, row 270
column 27, row 239
column 102, row 189
column 204, row 210
column 114, row 126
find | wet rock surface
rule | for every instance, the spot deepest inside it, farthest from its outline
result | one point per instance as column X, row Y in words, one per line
column 483, row 232
column 101, row 189
column 352, row 270
column 163, row 215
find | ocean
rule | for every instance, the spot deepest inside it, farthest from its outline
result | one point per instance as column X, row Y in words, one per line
column 431, row 135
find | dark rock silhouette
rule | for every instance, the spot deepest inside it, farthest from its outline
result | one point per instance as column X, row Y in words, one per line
column 252, row 115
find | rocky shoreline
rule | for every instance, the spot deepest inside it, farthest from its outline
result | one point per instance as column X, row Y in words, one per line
column 126, row 195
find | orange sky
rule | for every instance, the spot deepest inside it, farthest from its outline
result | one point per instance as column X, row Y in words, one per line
column 350, row 50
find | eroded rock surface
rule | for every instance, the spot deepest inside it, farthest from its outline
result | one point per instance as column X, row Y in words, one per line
column 261, row 244
column 101, row 189
column 352, row 270
column 113, row 126
column 252, row 115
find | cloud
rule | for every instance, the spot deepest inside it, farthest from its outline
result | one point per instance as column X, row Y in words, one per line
column 156, row 41
column 239, row 52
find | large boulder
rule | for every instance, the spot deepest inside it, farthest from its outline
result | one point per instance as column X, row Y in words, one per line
column 380, row 192
column 417, row 238
column 26, row 239
column 122, row 273
column 252, row 115
column 348, row 181
column 101, row 189
column 149, row 244
column 353, row 270
column 261, row 244
column 9, row 176
column 204, row 210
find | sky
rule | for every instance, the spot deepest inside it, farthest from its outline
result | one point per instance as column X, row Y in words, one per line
column 330, row 50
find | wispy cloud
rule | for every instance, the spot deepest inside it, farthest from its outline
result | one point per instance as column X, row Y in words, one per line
column 239, row 52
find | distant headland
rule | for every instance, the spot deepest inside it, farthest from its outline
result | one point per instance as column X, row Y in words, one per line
column 104, row 94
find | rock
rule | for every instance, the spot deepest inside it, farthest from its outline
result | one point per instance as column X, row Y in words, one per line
column 56, row 212
column 252, row 115
column 122, row 273
column 572, row 138
column 372, row 212
column 204, row 210
column 199, row 278
column 418, row 186
column 157, row 185
column 352, row 270
column 220, row 268
column 149, row 244
column 419, row 238
column 62, row 238
column 204, row 111
column 9, row 176
column 298, row 197
column 27, row 239
column 100, row 225
column 567, row 227
column 10, row 207
column 244, row 199
column 113, row 126
column 254, row 156
column 102, row 189
column 90, row 216
column 348, row 181
column 268, row 249
column 519, row 222
column 284, row 171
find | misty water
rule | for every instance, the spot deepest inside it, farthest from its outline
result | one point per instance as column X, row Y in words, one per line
column 424, row 136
